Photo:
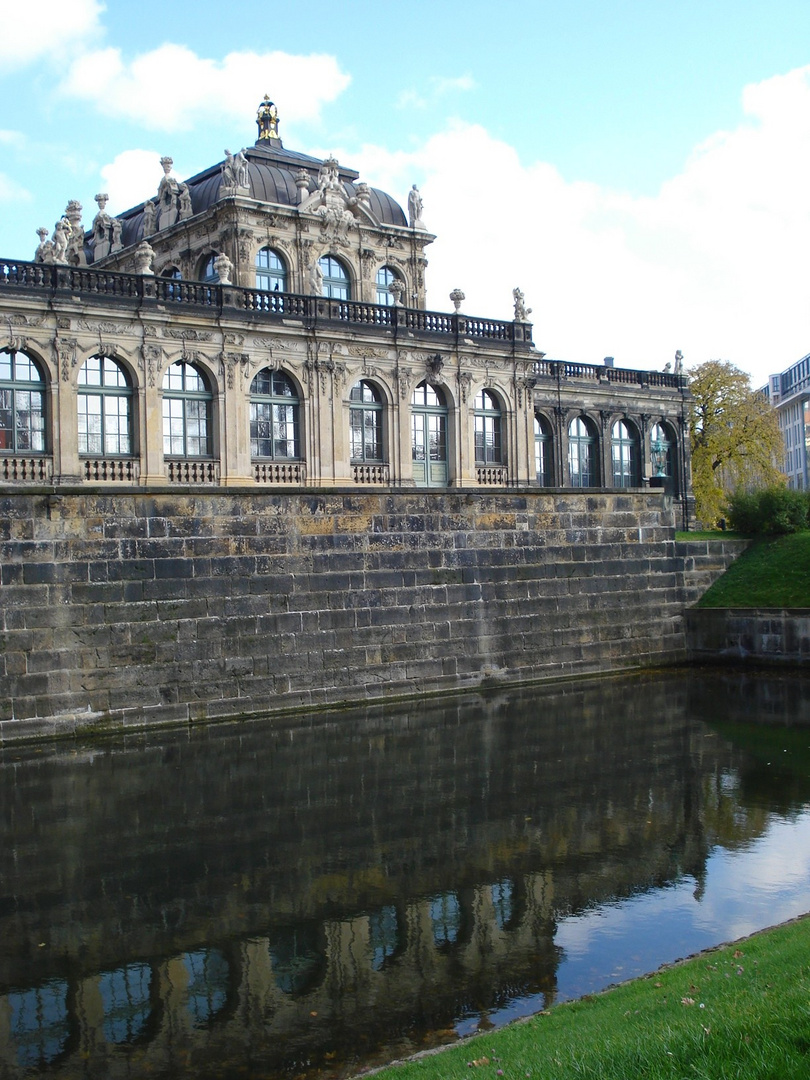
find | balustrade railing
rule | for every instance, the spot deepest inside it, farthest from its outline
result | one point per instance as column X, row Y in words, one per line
column 192, row 471
column 121, row 470
column 492, row 475
column 146, row 288
column 558, row 369
column 370, row 474
column 33, row 470
column 280, row 472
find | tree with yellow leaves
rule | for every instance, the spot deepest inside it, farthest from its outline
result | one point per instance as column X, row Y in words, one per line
column 736, row 442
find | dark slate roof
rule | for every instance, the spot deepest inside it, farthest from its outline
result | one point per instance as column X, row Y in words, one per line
column 271, row 170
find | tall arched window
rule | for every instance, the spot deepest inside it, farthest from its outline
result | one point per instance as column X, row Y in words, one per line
column 335, row 278
column 385, row 277
column 274, row 426
column 662, row 451
column 271, row 271
column 366, row 422
column 429, row 436
column 208, row 272
column 543, row 450
column 624, row 455
column 487, row 420
column 105, row 408
column 187, row 412
column 22, row 404
column 582, row 461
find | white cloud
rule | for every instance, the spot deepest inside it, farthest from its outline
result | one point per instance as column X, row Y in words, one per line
column 171, row 88
column 35, row 29
column 715, row 264
column 131, row 178
column 11, row 191
column 437, row 86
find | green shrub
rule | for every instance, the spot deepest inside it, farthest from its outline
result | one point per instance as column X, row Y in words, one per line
column 770, row 511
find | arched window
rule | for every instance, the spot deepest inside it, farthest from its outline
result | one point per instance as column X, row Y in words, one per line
column 662, row 452
column 105, row 408
column 543, row 451
column 487, row 413
column 271, row 271
column 171, row 273
column 624, row 454
column 385, row 276
column 366, row 422
column 274, row 408
column 335, row 278
column 429, row 436
column 582, row 463
column 187, row 412
column 22, row 404
column 208, row 272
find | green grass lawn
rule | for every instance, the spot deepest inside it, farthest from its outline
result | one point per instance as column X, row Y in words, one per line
column 741, row 1011
column 774, row 572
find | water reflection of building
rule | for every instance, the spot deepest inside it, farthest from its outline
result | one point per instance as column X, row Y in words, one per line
column 411, row 880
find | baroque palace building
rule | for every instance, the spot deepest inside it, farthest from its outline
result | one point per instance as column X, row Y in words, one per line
column 264, row 324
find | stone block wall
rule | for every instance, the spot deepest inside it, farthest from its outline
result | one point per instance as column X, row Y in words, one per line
column 121, row 609
column 765, row 636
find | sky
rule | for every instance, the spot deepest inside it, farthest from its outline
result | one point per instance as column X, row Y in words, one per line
column 640, row 169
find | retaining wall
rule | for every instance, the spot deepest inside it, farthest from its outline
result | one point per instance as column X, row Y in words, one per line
column 121, row 609
column 772, row 635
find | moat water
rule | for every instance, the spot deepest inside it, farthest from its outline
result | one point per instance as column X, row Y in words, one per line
column 291, row 899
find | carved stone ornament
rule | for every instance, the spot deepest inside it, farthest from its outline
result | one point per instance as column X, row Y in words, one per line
column 404, row 378
column 153, row 359
column 232, row 363
column 524, row 384
column 66, row 353
column 457, row 298
column 464, row 381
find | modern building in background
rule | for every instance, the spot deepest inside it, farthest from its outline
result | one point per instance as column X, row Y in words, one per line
column 789, row 393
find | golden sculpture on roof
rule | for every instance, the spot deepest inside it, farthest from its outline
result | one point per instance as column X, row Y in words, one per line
column 267, row 119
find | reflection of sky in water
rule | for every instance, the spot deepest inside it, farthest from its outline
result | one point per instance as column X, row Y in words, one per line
column 765, row 883
column 761, row 884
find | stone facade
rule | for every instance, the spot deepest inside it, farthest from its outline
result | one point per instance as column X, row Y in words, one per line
column 264, row 323
column 227, row 419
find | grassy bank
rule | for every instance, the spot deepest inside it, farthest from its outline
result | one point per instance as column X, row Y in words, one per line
column 773, row 573
column 741, row 1011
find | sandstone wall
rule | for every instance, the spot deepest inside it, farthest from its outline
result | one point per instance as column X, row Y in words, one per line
column 122, row 609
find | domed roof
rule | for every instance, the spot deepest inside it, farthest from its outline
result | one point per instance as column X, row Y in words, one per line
column 272, row 179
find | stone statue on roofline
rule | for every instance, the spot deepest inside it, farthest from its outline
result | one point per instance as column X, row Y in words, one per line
column 44, row 252
column 149, row 218
column 60, row 240
column 75, row 251
column 522, row 313
column 415, row 208
column 167, row 195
